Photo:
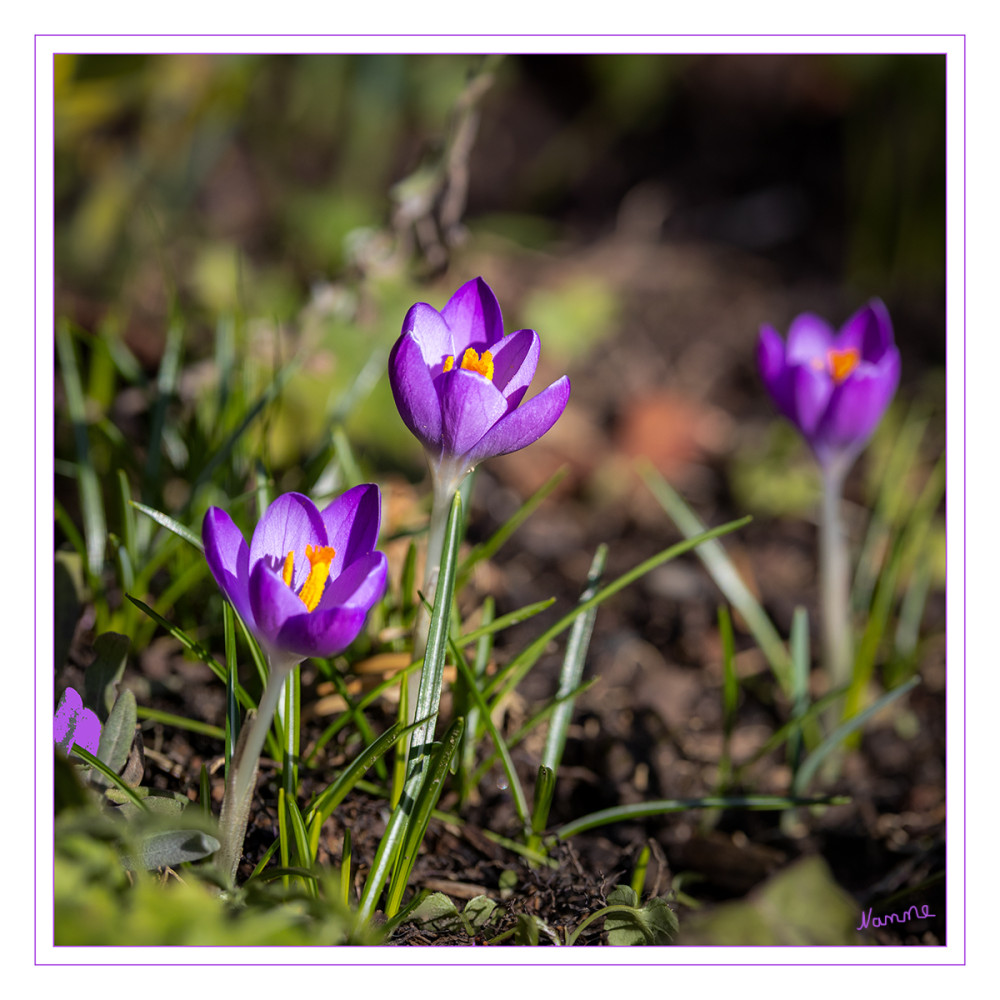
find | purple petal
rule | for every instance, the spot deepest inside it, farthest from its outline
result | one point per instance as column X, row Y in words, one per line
column 809, row 337
column 273, row 604
column 857, row 405
column 428, row 329
column 524, row 425
column 290, row 524
column 470, row 405
column 322, row 633
column 473, row 314
column 514, row 364
column 62, row 722
column 774, row 371
column 74, row 724
column 413, row 389
column 869, row 330
column 811, row 391
column 359, row 586
column 228, row 558
column 352, row 522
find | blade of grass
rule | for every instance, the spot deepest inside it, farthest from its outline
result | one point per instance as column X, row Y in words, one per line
column 194, row 647
column 799, row 642
column 166, row 521
column 572, row 668
column 99, row 765
column 328, row 800
column 506, row 680
column 91, row 503
column 660, row 807
column 438, row 765
column 180, row 722
column 813, row 761
column 514, row 782
column 432, row 675
column 166, row 389
column 505, row 621
column 487, row 549
column 724, row 573
column 528, row 725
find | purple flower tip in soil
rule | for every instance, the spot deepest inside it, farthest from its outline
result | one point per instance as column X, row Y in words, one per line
column 459, row 382
column 833, row 385
column 73, row 723
column 308, row 578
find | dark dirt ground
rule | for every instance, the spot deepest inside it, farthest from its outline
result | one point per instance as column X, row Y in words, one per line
column 676, row 382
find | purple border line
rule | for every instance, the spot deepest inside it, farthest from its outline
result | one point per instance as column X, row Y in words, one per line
column 514, row 964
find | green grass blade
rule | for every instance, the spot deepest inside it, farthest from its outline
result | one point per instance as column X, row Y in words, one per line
column 505, row 621
column 517, row 792
column 725, row 575
column 194, row 647
column 489, row 548
column 432, row 675
column 813, row 761
column 222, row 453
column 166, row 521
column 506, row 680
column 91, row 503
column 430, row 791
column 335, row 793
column 799, row 642
column 99, row 765
column 572, row 669
column 166, row 389
column 661, row 807
column 180, row 722
column 528, row 725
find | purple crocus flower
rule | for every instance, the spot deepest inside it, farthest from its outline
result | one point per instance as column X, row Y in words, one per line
column 834, row 386
column 308, row 578
column 73, row 723
column 458, row 382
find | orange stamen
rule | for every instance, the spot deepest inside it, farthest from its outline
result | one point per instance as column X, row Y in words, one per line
column 473, row 362
column 842, row 363
column 320, row 557
column 286, row 572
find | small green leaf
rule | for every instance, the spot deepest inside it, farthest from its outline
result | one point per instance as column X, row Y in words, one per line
column 436, row 906
column 623, row 895
column 478, row 911
column 167, row 850
column 100, row 682
column 117, row 735
column 526, row 931
column 629, row 924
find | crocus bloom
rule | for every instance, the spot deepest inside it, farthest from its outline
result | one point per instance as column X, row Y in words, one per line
column 308, row 578
column 834, row 386
column 458, row 382
column 73, row 723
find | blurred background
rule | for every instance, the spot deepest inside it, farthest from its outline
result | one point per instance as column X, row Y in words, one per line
column 664, row 198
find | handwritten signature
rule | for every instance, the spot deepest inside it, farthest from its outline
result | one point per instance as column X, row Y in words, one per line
column 910, row 913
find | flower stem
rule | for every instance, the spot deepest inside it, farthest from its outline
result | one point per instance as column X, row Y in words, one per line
column 834, row 581
column 243, row 770
column 443, row 492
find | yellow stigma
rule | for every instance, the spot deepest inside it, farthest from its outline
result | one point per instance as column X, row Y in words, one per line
column 320, row 557
column 473, row 362
column 842, row 363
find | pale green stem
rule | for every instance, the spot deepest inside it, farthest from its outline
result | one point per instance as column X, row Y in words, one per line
column 243, row 768
column 444, row 490
column 834, row 581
